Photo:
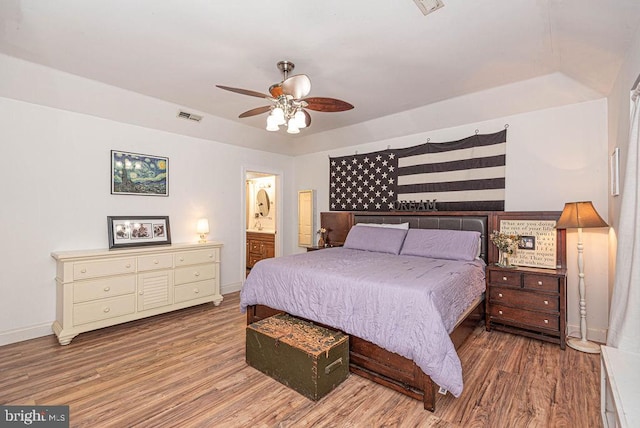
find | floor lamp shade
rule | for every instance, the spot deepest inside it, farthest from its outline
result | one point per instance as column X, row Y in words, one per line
column 577, row 215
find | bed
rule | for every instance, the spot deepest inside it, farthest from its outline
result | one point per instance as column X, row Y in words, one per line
column 400, row 342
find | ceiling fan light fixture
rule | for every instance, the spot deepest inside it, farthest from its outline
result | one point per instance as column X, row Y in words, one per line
column 292, row 128
column 271, row 124
column 300, row 119
column 278, row 116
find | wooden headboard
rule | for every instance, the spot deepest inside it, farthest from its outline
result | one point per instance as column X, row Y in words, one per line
column 476, row 223
column 338, row 224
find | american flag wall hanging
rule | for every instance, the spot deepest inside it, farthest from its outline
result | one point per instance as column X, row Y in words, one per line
column 464, row 175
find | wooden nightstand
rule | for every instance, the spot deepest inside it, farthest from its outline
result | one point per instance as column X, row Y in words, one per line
column 528, row 301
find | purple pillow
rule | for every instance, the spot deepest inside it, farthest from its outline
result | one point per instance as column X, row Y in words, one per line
column 442, row 244
column 379, row 239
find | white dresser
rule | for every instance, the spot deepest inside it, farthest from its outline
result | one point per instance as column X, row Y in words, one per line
column 620, row 393
column 100, row 288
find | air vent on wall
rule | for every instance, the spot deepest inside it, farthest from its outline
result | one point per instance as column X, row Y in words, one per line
column 189, row 116
column 428, row 6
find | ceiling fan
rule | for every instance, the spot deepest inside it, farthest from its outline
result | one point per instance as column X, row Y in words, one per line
column 288, row 102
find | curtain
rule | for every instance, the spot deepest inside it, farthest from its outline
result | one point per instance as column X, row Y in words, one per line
column 624, row 319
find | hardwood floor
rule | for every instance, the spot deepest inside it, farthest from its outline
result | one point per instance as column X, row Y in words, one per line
column 187, row 369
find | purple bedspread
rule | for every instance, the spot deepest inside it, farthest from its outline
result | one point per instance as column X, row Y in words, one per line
column 405, row 304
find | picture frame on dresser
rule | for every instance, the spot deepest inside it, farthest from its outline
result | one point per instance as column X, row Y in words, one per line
column 138, row 231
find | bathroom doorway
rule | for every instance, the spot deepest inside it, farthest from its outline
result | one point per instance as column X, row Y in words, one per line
column 262, row 208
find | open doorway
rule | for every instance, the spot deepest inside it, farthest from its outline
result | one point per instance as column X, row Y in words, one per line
column 263, row 211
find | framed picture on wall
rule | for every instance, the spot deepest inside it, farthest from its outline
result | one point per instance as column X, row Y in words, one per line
column 137, row 231
column 138, row 174
column 541, row 244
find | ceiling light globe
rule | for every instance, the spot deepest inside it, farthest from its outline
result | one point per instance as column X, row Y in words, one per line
column 300, row 118
column 278, row 114
column 292, row 128
column 271, row 124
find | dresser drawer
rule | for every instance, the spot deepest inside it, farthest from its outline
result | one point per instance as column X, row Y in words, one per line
column 98, row 310
column 524, row 299
column 195, row 273
column 84, row 270
column 183, row 293
column 103, row 288
column 505, row 278
column 541, row 282
column 196, row 257
column 507, row 314
column 159, row 261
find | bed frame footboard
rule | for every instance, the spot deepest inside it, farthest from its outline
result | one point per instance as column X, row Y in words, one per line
column 387, row 368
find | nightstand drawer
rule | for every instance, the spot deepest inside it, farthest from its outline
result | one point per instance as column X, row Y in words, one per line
column 524, row 299
column 541, row 282
column 500, row 313
column 504, row 277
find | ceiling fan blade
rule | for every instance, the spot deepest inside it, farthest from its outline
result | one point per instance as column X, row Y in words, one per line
column 297, row 86
column 327, row 104
column 255, row 111
column 244, row 92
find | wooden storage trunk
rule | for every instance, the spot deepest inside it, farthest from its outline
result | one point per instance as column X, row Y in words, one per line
column 307, row 358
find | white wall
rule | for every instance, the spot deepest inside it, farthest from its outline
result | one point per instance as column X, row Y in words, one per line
column 56, row 197
column 619, row 112
column 554, row 155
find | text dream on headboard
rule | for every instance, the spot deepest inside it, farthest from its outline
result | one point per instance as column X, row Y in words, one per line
column 538, row 247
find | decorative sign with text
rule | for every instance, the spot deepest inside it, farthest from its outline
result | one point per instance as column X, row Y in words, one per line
column 538, row 247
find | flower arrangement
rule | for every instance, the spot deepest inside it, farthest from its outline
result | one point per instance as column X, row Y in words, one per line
column 321, row 242
column 507, row 243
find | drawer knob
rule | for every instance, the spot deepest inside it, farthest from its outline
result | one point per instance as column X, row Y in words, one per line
column 539, row 282
column 128, row 265
column 107, row 310
column 210, row 256
column 499, row 294
column 500, row 312
column 195, row 290
column 196, row 273
column 181, row 259
column 83, row 270
column 504, row 278
column 141, row 292
column 546, row 302
column 155, row 262
column 546, row 321
column 107, row 289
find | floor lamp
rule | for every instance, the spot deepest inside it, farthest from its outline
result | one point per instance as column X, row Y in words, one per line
column 579, row 215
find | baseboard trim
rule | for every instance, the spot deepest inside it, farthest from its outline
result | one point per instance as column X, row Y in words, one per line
column 231, row 288
column 27, row 333
column 593, row 334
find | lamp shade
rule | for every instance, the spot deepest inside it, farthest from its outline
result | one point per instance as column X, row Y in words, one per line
column 579, row 215
column 202, row 226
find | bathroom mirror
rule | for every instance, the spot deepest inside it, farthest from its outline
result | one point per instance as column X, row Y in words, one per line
column 263, row 202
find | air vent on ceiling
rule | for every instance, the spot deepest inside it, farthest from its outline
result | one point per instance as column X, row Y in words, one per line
column 189, row 116
column 428, row 6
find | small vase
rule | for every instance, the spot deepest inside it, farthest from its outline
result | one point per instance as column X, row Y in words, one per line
column 503, row 260
column 321, row 242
